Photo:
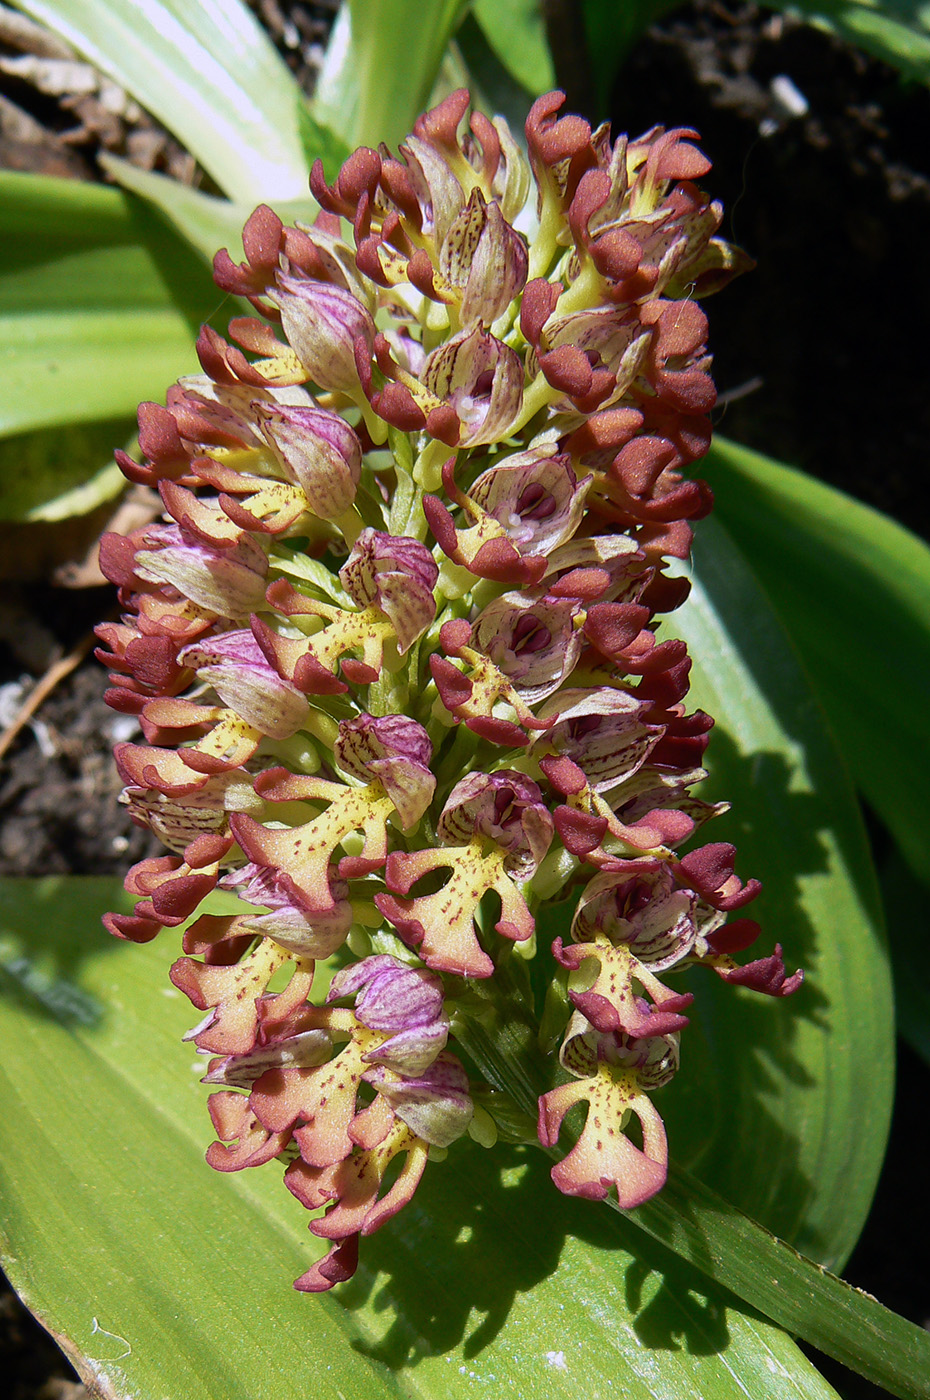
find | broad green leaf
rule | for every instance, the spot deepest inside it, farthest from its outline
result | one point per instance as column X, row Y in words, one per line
column 163, row 1278
column 896, row 31
column 207, row 223
column 55, row 473
column 516, row 32
column 853, row 591
column 793, row 1108
column 810, row 1302
column 67, row 366
column 380, row 66
column 470, row 62
column 781, row 1106
column 805, row 1095
column 99, row 303
column 208, row 71
column 730, row 1248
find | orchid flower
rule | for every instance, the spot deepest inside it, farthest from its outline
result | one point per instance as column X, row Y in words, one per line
column 394, row 652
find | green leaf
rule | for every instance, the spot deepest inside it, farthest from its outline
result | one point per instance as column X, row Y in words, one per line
column 906, row 902
column 163, row 1278
column 208, row 71
column 326, row 143
column 807, row 1300
column 781, row 1106
column 99, row 303
column 56, row 473
column 83, row 365
column 204, row 221
column 758, row 1068
column 515, row 31
column 380, row 66
column 896, row 31
column 806, row 1096
column 843, row 577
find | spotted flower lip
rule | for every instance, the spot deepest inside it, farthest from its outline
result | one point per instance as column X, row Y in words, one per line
column 596, row 1163
column 494, row 831
column 394, row 648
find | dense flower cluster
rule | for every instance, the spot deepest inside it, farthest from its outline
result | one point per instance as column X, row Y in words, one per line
column 393, row 649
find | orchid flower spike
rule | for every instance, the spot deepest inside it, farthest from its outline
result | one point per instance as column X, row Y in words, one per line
column 393, row 650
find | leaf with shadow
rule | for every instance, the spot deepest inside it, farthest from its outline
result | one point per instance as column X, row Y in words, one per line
column 114, row 1228
column 561, row 1283
column 41, row 967
column 826, row 1055
column 843, row 578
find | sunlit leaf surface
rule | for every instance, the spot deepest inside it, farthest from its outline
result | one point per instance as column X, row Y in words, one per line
column 516, row 32
column 164, row 1278
column 896, row 31
column 785, row 1105
column 99, row 303
column 381, row 65
column 55, row 473
column 208, row 71
column 207, row 223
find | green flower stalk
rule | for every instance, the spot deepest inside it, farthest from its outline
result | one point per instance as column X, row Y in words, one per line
column 393, row 649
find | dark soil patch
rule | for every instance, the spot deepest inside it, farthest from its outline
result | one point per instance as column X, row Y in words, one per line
column 812, row 357
column 835, row 206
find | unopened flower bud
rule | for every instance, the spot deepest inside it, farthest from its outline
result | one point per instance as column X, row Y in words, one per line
column 319, row 450
column 322, row 323
column 234, row 664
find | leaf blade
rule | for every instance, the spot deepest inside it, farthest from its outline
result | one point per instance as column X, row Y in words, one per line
column 807, row 1300
column 208, row 71
column 896, row 31
column 98, row 302
column 516, row 33
column 204, row 221
column 840, row 573
column 796, row 826
column 110, row 1260
column 380, row 67
column 89, row 366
